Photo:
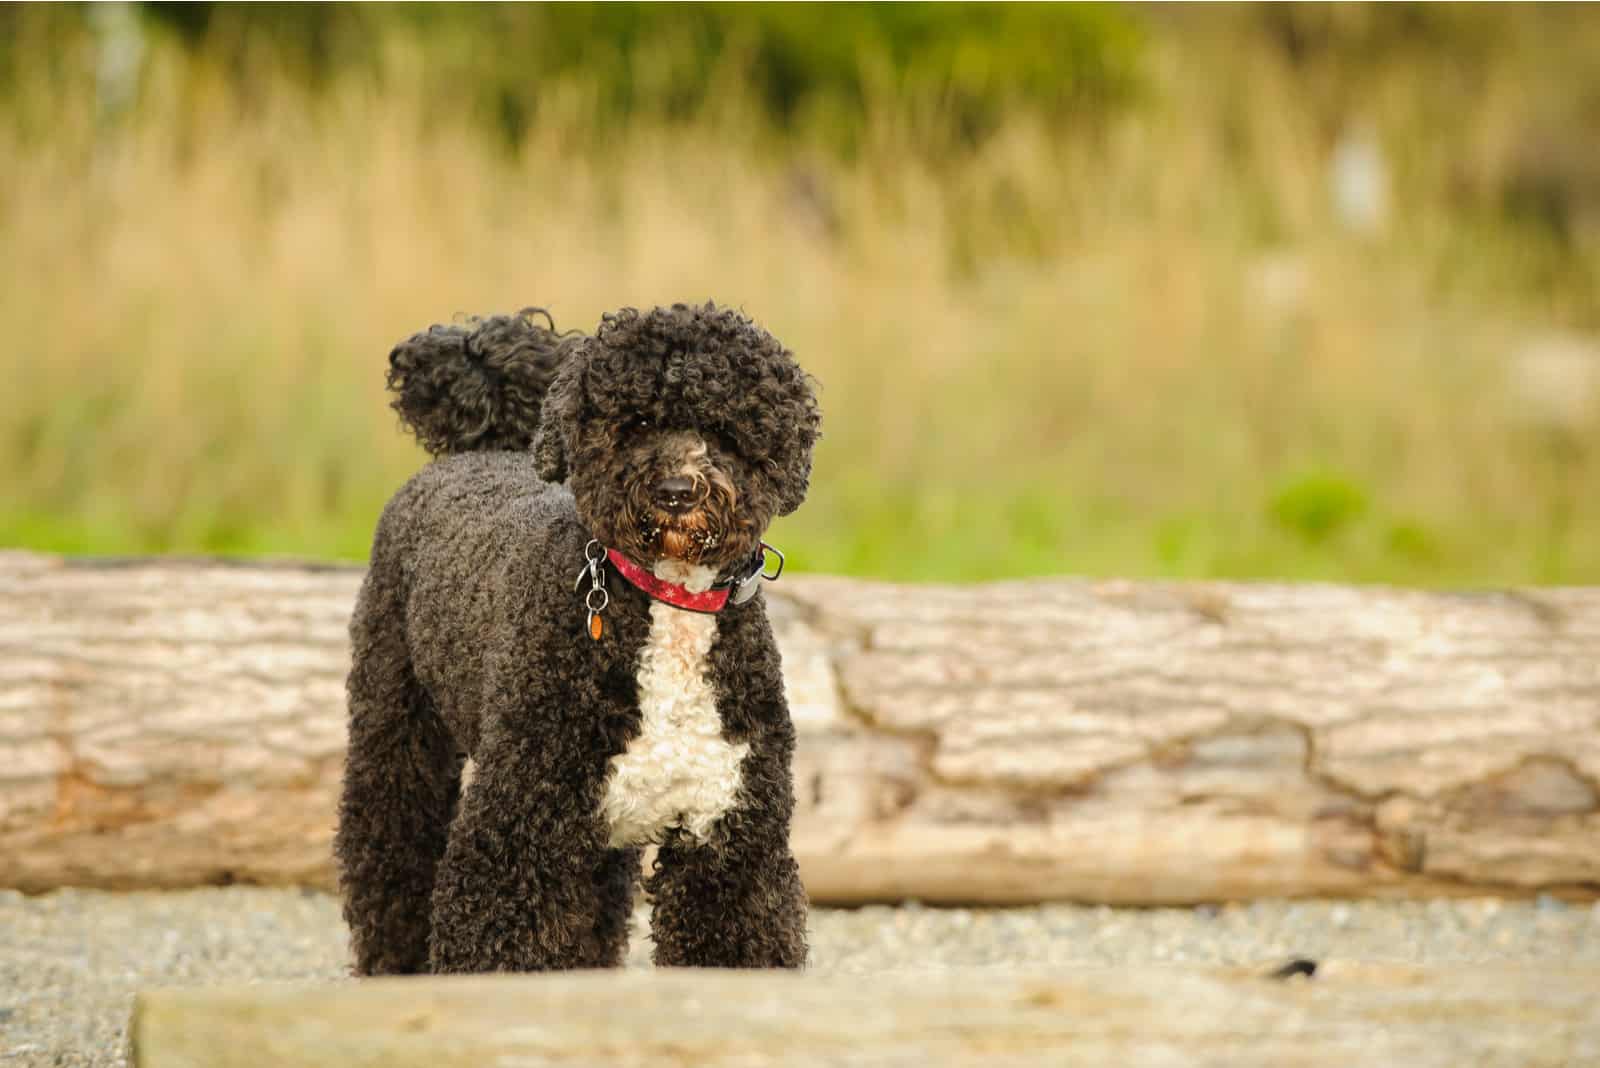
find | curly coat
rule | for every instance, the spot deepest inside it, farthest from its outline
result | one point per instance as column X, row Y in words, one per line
column 469, row 643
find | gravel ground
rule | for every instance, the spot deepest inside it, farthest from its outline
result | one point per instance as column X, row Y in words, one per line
column 70, row 961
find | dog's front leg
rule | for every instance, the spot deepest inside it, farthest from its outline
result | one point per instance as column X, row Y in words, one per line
column 517, row 888
column 736, row 900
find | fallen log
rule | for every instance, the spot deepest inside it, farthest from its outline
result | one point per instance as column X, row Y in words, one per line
column 1358, row 1014
column 171, row 723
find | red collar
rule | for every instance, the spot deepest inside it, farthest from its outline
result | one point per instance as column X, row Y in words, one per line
column 711, row 600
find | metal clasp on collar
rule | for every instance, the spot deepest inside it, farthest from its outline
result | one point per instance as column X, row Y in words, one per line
column 747, row 586
column 594, row 557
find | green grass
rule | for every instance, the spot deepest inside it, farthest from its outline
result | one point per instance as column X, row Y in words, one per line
column 938, row 536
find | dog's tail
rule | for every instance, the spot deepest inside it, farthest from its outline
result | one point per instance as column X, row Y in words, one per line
column 477, row 385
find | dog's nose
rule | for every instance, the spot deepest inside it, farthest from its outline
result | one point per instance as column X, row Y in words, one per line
column 675, row 494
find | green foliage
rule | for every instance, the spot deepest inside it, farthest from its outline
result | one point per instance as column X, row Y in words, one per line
column 811, row 68
column 1412, row 542
column 1318, row 505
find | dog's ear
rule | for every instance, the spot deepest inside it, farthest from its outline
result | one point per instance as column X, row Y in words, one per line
column 793, row 497
column 794, row 492
column 805, row 418
column 557, row 423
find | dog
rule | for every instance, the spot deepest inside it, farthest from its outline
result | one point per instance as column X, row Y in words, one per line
column 560, row 652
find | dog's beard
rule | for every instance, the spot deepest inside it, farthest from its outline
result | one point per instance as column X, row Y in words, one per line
column 711, row 535
column 688, row 537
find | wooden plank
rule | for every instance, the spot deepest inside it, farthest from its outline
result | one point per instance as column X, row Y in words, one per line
column 1350, row 1015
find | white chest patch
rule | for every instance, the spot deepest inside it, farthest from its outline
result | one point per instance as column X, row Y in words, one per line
column 679, row 771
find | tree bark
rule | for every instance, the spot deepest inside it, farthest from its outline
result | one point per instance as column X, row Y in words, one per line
column 1356, row 1015
column 168, row 723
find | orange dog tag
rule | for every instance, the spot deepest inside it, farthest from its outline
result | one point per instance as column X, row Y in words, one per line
column 596, row 628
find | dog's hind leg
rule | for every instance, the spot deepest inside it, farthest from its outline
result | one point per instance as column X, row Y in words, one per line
column 402, row 779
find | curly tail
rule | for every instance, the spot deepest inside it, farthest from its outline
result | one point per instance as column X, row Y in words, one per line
column 477, row 385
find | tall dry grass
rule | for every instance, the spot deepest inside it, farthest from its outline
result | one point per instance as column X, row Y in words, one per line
column 1149, row 349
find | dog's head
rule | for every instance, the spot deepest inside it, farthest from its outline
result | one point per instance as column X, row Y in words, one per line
column 682, row 433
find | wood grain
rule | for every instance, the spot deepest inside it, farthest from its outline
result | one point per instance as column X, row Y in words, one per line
column 1139, row 1018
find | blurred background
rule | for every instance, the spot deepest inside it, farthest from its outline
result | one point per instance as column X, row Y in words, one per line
column 1289, row 291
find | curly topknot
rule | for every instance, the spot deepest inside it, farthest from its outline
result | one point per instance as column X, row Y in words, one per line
column 477, row 385
column 704, row 367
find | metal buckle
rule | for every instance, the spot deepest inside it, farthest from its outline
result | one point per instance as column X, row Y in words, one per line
column 594, row 554
column 746, row 587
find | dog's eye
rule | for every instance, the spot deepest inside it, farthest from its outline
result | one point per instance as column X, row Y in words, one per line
column 640, row 422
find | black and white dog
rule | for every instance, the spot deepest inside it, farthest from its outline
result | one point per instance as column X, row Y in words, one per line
column 564, row 604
